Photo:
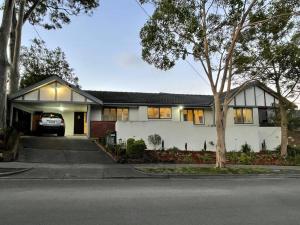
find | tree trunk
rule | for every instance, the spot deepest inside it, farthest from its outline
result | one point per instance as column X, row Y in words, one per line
column 4, row 64
column 220, row 147
column 283, row 122
column 284, row 130
column 15, row 73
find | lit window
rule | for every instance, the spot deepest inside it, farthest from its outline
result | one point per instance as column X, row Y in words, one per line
column 165, row 113
column 198, row 116
column 194, row 115
column 114, row 114
column 243, row 116
column 159, row 113
column 122, row 114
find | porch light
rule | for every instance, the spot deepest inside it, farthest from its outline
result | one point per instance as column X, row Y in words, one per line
column 180, row 107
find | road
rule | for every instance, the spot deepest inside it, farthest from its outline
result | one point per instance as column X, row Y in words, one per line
column 150, row 201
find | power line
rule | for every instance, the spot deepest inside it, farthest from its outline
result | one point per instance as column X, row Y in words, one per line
column 37, row 32
column 189, row 63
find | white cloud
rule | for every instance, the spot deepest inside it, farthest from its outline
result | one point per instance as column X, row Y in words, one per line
column 130, row 60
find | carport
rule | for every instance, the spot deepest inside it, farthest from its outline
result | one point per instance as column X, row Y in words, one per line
column 52, row 95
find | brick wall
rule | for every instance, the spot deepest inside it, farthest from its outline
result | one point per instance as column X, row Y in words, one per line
column 100, row 128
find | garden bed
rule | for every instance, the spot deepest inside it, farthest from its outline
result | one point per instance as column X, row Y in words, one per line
column 207, row 157
column 207, row 171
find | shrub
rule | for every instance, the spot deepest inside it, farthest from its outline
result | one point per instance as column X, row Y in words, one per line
column 297, row 160
column 174, row 148
column 154, row 140
column 204, row 146
column 233, row 157
column 135, row 148
column 206, row 158
column 247, row 158
column 291, row 150
column 246, row 148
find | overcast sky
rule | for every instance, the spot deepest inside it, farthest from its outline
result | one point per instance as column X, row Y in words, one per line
column 105, row 51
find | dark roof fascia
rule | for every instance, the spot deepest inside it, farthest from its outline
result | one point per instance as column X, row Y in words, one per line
column 148, row 104
column 62, row 102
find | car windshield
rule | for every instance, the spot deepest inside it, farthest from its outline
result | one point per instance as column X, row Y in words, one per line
column 52, row 115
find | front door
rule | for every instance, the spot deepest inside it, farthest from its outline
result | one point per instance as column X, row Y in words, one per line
column 78, row 122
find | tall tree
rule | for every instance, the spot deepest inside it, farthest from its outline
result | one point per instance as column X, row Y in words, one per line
column 50, row 14
column 270, row 52
column 4, row 64
column 38, row 63
column 207, row 31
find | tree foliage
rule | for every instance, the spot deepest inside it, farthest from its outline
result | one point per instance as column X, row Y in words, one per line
column 38, row 63
column 52, row 14
column 270, row 50
column 210, row 32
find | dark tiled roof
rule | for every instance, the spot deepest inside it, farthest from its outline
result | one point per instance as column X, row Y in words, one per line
column 110, row 97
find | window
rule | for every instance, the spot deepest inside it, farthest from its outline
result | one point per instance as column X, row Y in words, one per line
column 267, row 117
column 194, row 115
column 159, row 113
column 243, row 116
column 114, row 114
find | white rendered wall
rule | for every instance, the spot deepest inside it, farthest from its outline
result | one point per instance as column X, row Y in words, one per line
column 134, row 114
column 178, row 133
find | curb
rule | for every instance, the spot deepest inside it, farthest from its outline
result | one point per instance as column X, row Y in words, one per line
column 5, row 174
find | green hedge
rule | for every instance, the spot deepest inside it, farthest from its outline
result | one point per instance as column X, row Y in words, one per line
column 135, row 148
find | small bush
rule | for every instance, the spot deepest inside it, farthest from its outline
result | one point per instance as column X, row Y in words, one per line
column 233, row 157
column 174, row 148
column 204, row 147
column 154, row 140
column 135, row 148
column 246, row 148
column 206, row 158
column 297, row 160
column 291, row 150
column 247, row 158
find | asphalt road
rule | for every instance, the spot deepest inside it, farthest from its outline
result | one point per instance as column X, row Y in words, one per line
column 150, row 201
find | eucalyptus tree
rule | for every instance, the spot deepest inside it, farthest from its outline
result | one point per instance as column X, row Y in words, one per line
column 208, row 32
column 50, row 14
column 38, row 63
column 270, row 52
column 4, row 63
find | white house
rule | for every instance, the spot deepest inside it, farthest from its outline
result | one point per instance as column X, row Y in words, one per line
column 179, row 119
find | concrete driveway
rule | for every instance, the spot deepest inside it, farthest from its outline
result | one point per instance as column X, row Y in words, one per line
column 65, row 150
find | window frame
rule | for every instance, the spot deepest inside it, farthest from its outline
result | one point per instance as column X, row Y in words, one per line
column 116, row 108
column 193, row 112
column 268, row 123
column 242, row 113
column 159, row 117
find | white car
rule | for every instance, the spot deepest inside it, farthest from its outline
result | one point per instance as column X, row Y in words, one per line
column 52, row 123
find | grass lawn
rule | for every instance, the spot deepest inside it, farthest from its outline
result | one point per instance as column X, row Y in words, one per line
column 206, row 171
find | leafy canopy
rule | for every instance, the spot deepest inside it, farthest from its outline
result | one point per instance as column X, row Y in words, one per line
column 176, row 29
column 52, row 14
column 207, row 30
column 270, row 50
column 38, row 63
